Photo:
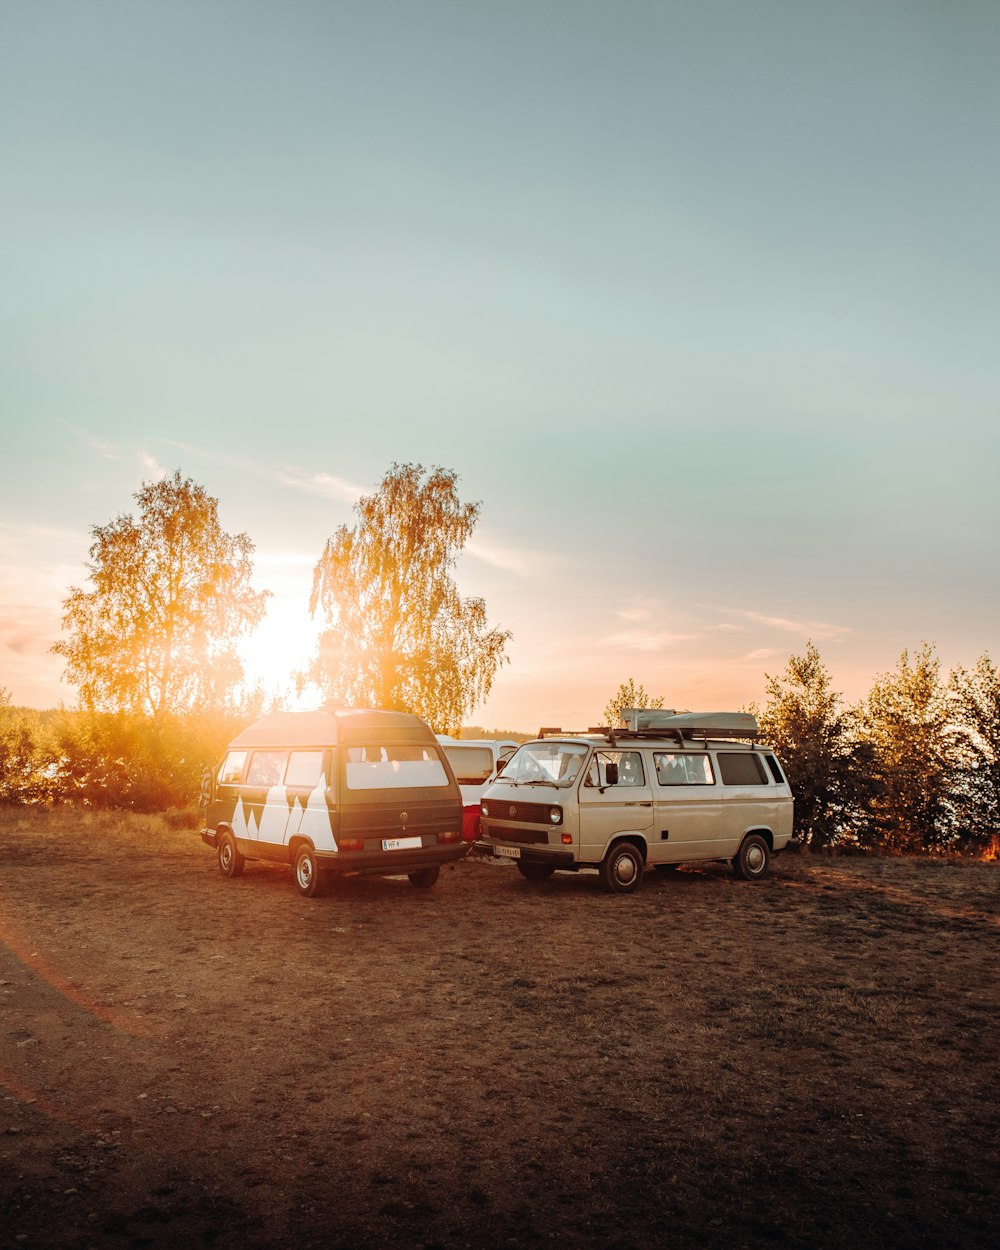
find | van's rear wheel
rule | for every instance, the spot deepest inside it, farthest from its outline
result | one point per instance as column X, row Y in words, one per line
column 622, row 868
column 308, row 878
column 535, row 872
column 231, row 862
column 424, row 878
column 753, row 858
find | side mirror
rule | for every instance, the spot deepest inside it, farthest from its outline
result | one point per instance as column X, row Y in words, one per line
column 610, row 773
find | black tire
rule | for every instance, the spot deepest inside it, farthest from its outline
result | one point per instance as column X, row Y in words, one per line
column 535, row 872
column 231, row 862
column 424, row 878
column 306, row 870
column 622, row 868
column 753, row 858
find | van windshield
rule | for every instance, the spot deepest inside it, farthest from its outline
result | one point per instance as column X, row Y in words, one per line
column 550, row 763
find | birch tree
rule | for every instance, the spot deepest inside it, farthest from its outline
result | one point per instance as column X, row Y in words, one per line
column 398, row 633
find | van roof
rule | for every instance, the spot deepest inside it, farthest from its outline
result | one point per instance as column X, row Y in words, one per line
column 326, row 728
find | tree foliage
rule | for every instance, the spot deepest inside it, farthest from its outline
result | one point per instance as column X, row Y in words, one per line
column 813, row 733
column 975, row 709
column 906, row 720
column 628, row 694
column 398, row 633
column 170, row 596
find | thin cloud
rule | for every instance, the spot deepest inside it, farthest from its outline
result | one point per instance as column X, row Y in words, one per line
column 327, row 485
column 646, row 640
column 324, row 484
column 505, row 558
column 806, row 629
column 150, row 466
column 763, row 653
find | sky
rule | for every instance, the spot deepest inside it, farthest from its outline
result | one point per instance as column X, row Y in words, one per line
column 701, row 302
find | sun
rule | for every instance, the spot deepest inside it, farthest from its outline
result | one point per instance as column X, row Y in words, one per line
column 281, row 646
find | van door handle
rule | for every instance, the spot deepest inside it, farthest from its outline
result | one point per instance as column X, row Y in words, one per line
column 639, row 803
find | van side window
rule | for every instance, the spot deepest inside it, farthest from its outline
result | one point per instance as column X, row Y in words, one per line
column 675, row 769
column 265, row 768
column 630, row 771
column 741, row 769
column 775, row 768
column 305, row 769
column 232, row 768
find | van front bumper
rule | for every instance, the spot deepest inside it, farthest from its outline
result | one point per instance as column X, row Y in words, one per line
column 208, row 836
column 526, row 853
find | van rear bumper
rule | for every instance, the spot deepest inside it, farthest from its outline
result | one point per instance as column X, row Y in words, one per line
column 389, row 863
column 209, row 838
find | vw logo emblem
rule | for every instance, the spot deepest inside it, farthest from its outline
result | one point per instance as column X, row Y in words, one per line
column 513, row 811
column 404, row 817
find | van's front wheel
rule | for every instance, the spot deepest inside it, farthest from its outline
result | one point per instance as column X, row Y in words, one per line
column 622, row 868
column 308, row 878
column 753, row 858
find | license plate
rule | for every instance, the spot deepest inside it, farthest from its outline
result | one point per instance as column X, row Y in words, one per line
column 401, row 844
column 508, row 852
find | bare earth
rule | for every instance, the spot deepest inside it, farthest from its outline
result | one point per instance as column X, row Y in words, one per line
column 188, row 1061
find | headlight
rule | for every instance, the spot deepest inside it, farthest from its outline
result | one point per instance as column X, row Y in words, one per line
column 484, row 809
column 555, row 815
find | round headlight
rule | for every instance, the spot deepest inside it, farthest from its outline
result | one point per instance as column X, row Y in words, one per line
column 484, row 809
column 555, row 815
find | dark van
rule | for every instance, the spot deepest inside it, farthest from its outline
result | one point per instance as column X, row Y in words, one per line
column 347, row 792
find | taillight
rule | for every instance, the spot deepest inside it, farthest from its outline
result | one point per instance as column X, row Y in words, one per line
column 351, row 844
column 449, row 835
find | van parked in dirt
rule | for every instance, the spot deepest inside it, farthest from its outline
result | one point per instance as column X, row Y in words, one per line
column 347, row 792
column 670, row 789
column 474, row 761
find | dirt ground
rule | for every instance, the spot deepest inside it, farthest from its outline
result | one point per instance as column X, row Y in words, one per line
column 808, row 1061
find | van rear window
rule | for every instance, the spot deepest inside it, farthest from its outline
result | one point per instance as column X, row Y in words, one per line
column 739, row 769
column 471, row 765
column 402, row 767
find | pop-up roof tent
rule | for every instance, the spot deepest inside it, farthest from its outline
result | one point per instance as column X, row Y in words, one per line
column 705, row 724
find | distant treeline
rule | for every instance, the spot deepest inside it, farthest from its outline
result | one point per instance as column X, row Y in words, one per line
column 119, row 759
column 915, row 767
column 107, row 759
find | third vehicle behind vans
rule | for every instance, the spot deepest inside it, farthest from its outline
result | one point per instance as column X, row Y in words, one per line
column 474, row 761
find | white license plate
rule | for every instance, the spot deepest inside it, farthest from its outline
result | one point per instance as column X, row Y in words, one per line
column 401, row 844
column 508, row 852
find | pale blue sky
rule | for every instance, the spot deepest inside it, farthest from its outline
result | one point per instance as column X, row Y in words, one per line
column 701, row 301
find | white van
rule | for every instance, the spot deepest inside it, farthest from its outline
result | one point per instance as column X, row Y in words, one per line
column 673, row 788
column 474, row 761
column 348, row 792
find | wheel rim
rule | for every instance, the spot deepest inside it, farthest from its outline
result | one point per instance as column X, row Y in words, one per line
column 226, row 855
column 755, row 858
column 304, row 872
column 625, row 870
